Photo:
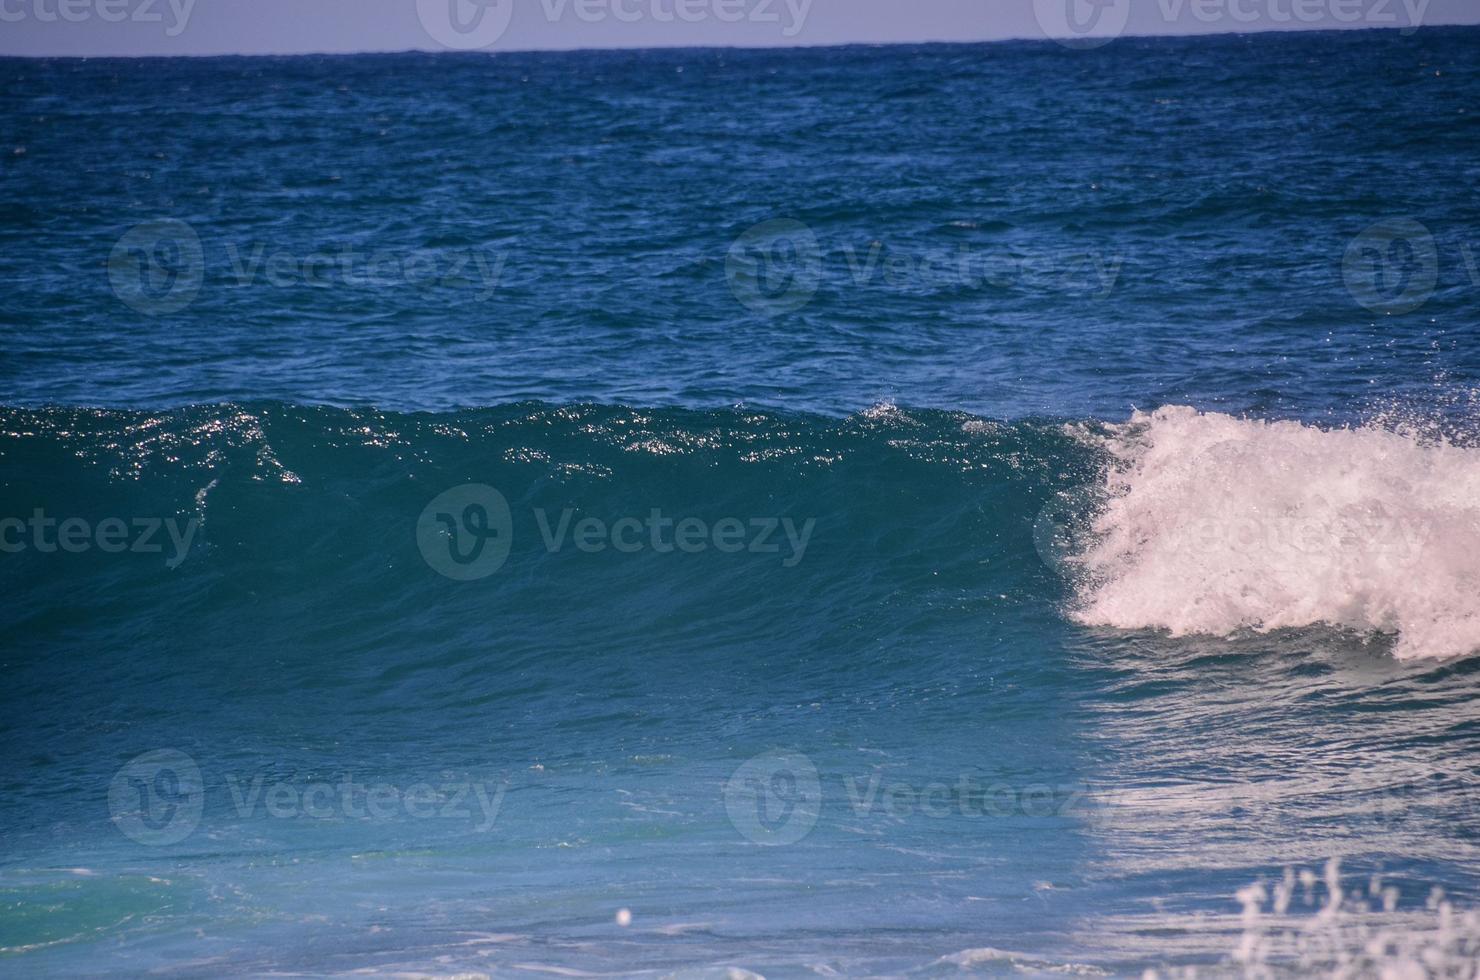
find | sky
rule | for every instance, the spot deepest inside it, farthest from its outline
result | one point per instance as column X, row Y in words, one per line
column 205, row 27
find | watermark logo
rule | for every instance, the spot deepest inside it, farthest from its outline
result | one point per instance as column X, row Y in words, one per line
column 465, row 533
column 157, row 798
column 157, row 267
column 774, row 267
column 465, row 25
column 774, row 798
column 1392, row 267
column 1082, row 23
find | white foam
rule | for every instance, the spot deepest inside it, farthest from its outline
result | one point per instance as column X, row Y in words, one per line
column 982, row 955
column 1216, row 524
column 1356, row 932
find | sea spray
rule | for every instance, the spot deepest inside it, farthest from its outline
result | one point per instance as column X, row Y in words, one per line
column 1317, row 925
column 1214, row 524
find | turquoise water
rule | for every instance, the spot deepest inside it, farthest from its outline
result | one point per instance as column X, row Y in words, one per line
column 669, row 513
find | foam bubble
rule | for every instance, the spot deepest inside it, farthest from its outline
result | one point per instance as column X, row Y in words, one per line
column 1215, row 524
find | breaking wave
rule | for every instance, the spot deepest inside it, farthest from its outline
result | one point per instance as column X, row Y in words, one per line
column 1213, row 524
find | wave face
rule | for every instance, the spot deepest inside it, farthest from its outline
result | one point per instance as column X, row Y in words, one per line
column 1177, row 520
column 1215, row 524
column 935, row 713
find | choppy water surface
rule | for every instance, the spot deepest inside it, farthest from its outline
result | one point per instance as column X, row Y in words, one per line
column 864, row 511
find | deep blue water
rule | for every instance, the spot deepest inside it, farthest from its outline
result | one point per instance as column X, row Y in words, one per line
column 866, row 319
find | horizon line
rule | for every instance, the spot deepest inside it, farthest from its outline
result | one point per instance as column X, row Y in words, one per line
column 1407, row 31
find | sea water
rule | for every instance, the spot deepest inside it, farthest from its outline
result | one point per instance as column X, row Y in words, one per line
column 860, row 511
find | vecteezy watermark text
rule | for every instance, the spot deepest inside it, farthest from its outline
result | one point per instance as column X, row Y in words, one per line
column 788, row 15
column 160, row 798
column 690, row 535
column 777, row 266
column 1092, row 23
column 777, row 797
column 174, row 14
column 160, row 267
column 466, row 533
column 347, row 799
column 348, row 265
column 1277, row 540
column 1408, row 14
column 1067, row 530
column 113, row 535
column 467, row 25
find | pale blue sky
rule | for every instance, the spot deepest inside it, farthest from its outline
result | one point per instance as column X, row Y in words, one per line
column 193, row 27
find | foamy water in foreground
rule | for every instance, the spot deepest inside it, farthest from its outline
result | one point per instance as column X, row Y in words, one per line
column 1214, row 524
column 1310, row 922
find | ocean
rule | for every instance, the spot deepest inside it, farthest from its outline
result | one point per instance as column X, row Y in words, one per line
column 930, row 510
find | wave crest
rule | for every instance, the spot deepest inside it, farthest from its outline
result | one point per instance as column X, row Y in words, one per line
column 1215, row 524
